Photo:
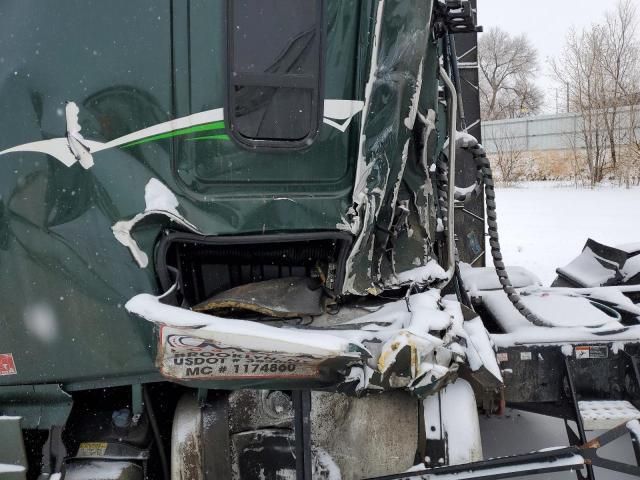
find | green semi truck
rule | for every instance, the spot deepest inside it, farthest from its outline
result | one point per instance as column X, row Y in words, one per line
column 234, row 238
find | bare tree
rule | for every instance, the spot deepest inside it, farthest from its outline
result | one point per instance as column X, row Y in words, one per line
column 580, row 68
column 525, row 99
column 509, row 157
column 619, row 62
column 575, row 159
column 507, row 67
column 600, row 66
column 631, row 164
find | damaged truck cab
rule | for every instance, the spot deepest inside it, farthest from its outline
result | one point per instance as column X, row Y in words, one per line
column 225, row 227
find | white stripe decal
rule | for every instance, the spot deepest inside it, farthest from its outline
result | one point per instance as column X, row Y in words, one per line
column 68, row 150
column 341, row 110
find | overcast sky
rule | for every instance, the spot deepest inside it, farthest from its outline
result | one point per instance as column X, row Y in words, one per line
column 546, row 23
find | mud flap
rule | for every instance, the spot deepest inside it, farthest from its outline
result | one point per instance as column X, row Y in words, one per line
column 452, row 427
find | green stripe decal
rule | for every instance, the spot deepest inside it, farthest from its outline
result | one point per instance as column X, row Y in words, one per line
column 212, row 137
column 206, row 127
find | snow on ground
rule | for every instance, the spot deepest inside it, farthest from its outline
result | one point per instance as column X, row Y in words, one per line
column 544, row 226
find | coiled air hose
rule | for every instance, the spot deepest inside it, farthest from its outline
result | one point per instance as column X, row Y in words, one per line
column 485, row 177
column 446, row 193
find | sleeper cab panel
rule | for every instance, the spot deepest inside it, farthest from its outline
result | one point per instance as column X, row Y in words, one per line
column 65, row 278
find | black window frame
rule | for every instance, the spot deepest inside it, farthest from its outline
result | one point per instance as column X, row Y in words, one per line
column 271, row 79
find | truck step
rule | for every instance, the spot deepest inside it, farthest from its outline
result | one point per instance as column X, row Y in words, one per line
column 605, row 414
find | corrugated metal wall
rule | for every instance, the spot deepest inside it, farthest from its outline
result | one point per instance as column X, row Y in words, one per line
column 550, row 132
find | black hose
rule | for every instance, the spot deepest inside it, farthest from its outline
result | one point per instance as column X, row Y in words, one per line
column 456, row 78
column 156, row 434
column 485, row 175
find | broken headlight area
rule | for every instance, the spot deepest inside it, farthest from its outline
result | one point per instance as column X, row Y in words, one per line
column 253, row 315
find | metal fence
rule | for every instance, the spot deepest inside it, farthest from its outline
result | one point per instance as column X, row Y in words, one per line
column 551, row 132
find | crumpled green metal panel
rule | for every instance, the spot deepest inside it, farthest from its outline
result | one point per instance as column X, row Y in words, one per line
column 65, row 268
column 399, row 58
column 128, row 67
column 413, row 244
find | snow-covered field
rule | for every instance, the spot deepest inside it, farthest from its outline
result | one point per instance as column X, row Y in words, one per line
column 543, row 226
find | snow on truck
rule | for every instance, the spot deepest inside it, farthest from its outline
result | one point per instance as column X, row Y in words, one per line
column 244, row 239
